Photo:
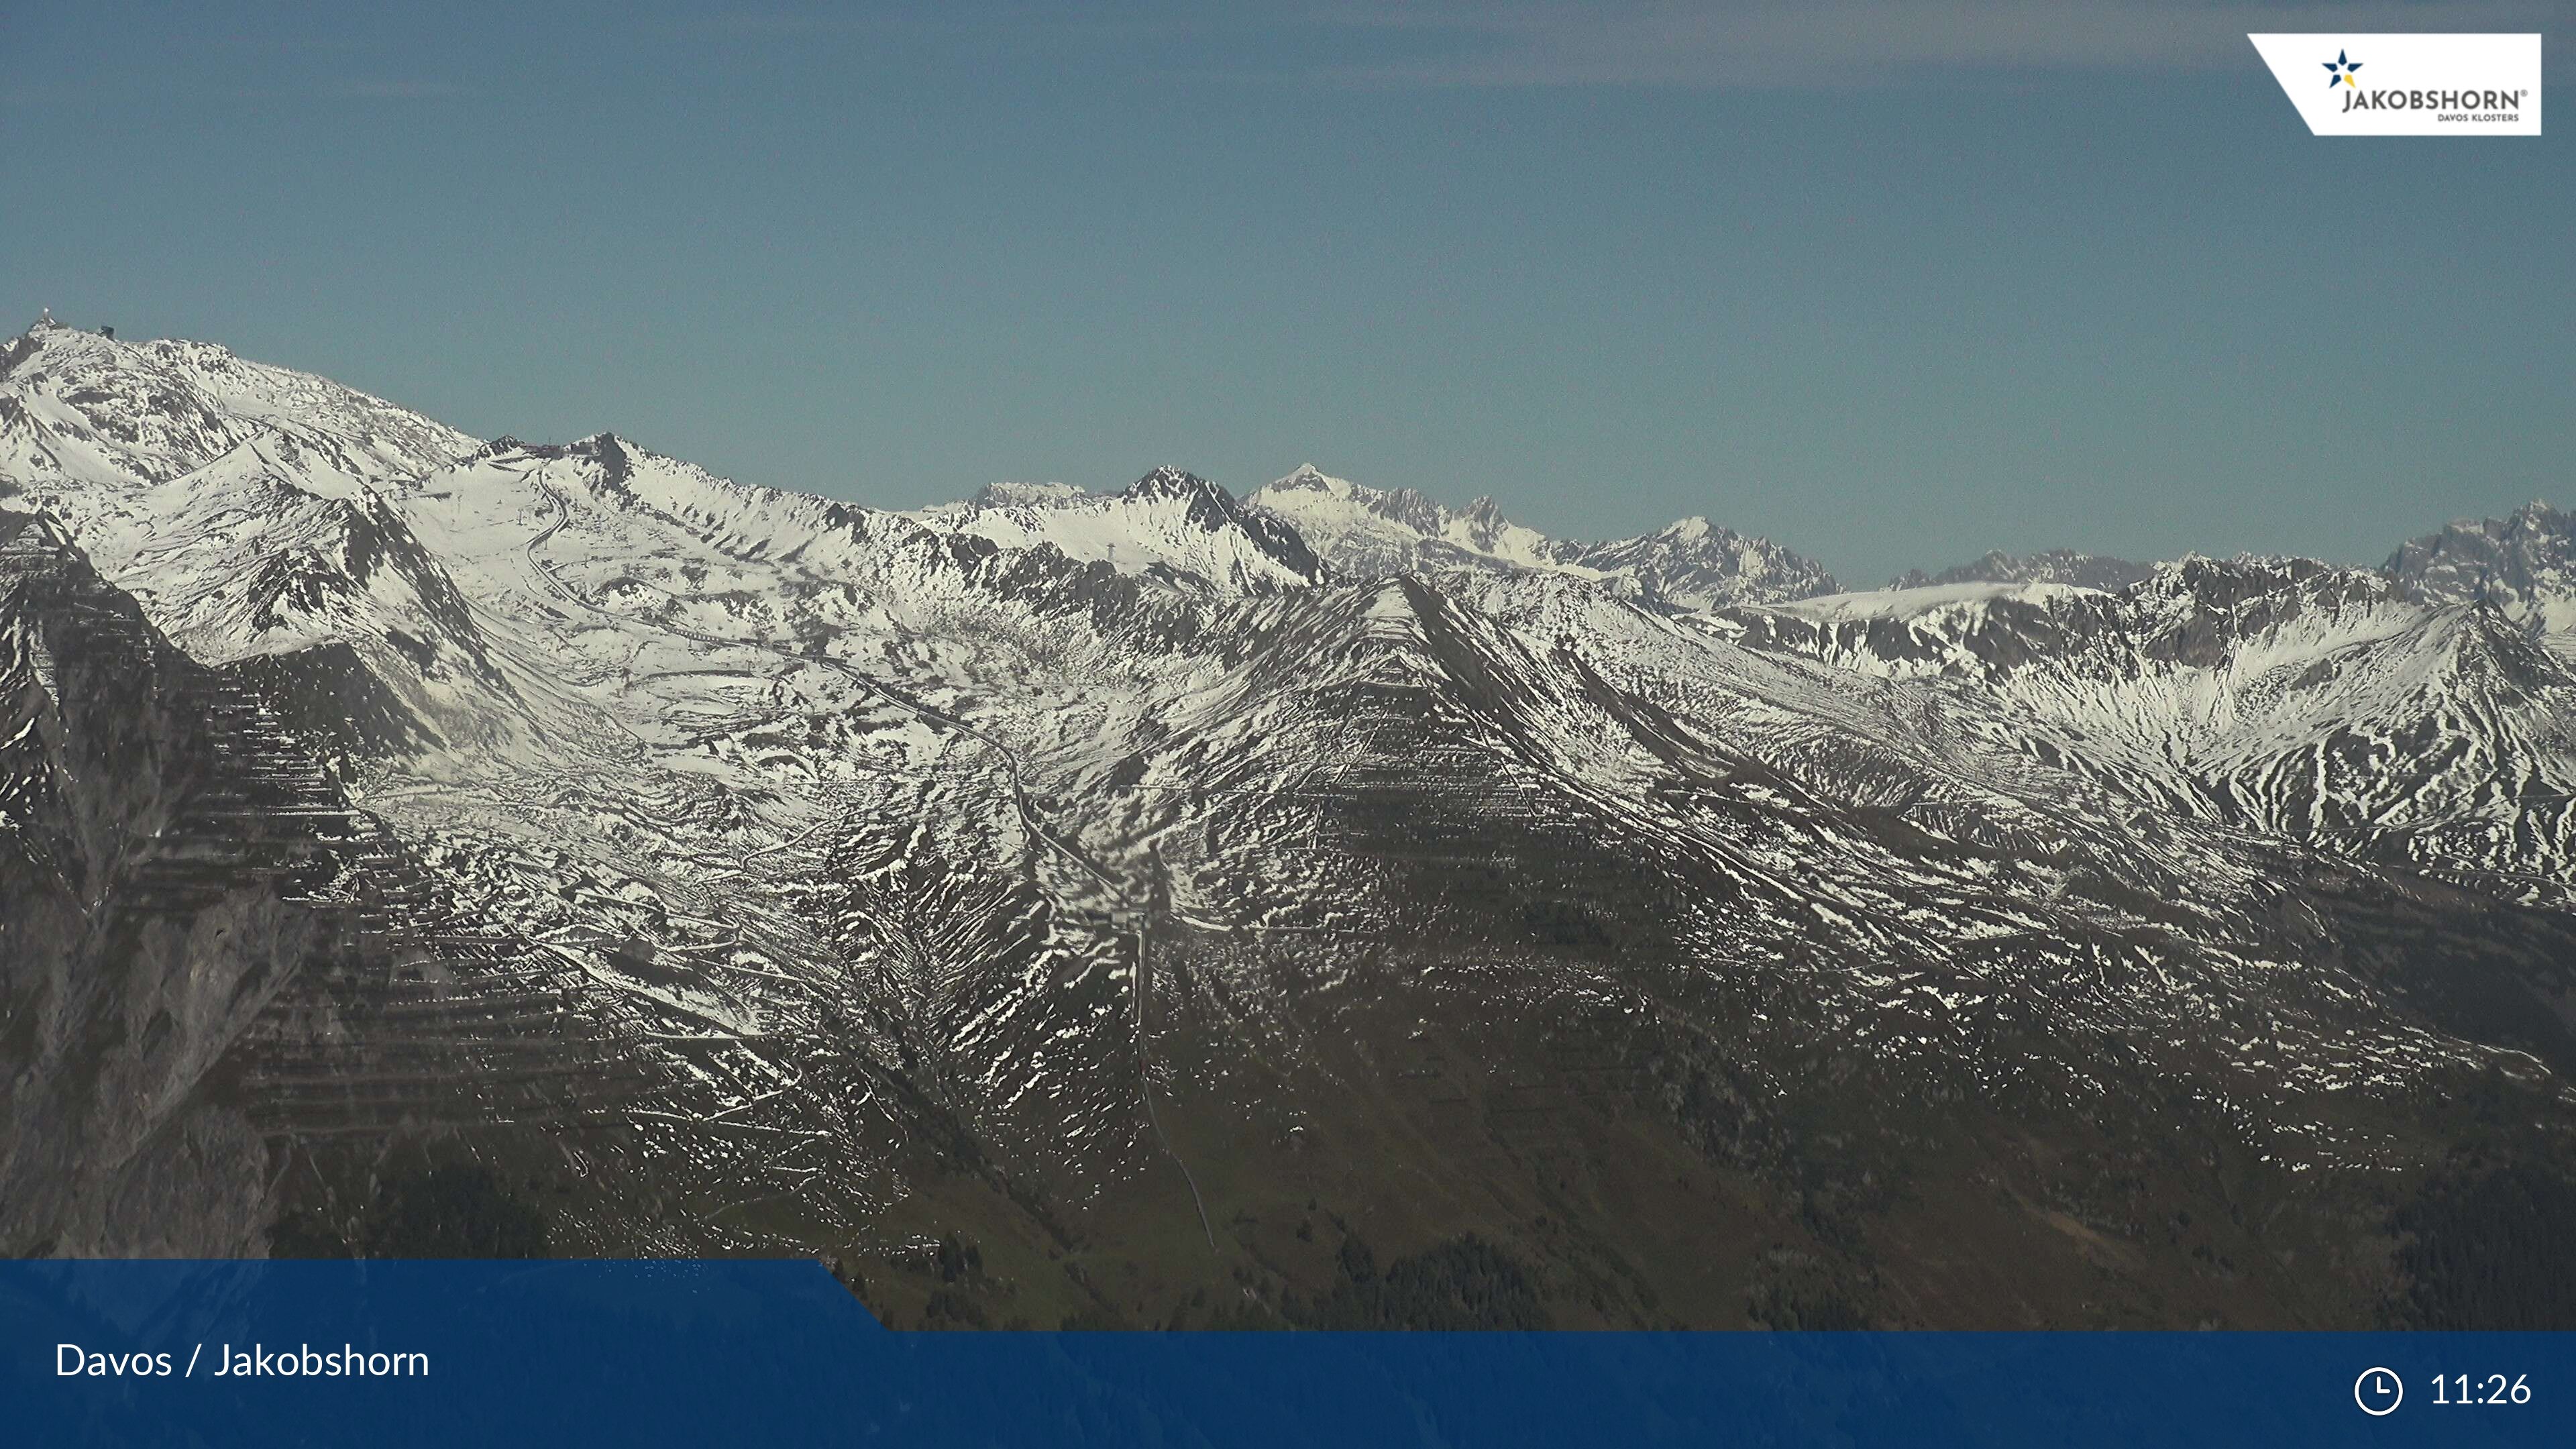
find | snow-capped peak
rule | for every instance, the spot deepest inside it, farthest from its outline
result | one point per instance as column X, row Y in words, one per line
column 1170, row 482
column 81, row 412
column 2523, row 563
column 1170, row 524
column 1374, row 532
column 2055, row 566
column 1025, row 495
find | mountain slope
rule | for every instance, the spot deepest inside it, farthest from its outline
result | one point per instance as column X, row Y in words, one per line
column 2323, row 705
column 1175, row 526
column 1162, row 908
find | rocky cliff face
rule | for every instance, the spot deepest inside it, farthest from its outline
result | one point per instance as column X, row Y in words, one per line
column 2524, row 565
column 143, row 920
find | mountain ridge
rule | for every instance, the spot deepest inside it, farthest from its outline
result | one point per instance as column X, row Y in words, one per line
column 1180, row 898
column 2524, row 558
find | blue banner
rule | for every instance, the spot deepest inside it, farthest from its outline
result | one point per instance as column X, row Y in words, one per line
column 777, row 1353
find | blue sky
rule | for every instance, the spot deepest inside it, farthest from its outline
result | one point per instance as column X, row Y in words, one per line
column 1893, row 284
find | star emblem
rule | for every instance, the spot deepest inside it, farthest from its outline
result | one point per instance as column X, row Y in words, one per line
column 2339, row 72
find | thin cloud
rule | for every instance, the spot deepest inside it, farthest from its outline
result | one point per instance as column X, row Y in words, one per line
column 392, row 90
column 297, row 44
column 1402, row 44
column 980, row 21
column 1855, row 42
column 800, row 22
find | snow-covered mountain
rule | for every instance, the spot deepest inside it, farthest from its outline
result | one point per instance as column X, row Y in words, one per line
column 1366, row 532
column 2524, row 565
column 85, row 408
column 2056, row 566
column 1168, row 907
column 1173, row 525
column 2320, row 704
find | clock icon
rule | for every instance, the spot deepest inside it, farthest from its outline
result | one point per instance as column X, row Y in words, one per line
column 2378, row 1391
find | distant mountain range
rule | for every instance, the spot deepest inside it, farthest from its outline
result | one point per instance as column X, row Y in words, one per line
column 1317, row 907
column 2057, row 566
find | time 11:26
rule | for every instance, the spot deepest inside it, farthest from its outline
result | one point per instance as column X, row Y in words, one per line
column 2492, row 1389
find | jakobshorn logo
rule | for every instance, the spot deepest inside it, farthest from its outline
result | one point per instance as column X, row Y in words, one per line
column 2419, row 85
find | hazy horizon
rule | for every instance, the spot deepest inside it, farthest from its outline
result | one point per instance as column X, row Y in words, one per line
column 1891, row 289
column 1245, row 486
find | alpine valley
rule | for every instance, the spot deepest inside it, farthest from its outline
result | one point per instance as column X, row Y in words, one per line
column 1320, row 907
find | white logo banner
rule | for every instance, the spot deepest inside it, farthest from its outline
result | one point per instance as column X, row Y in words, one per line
column 2409, row 85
